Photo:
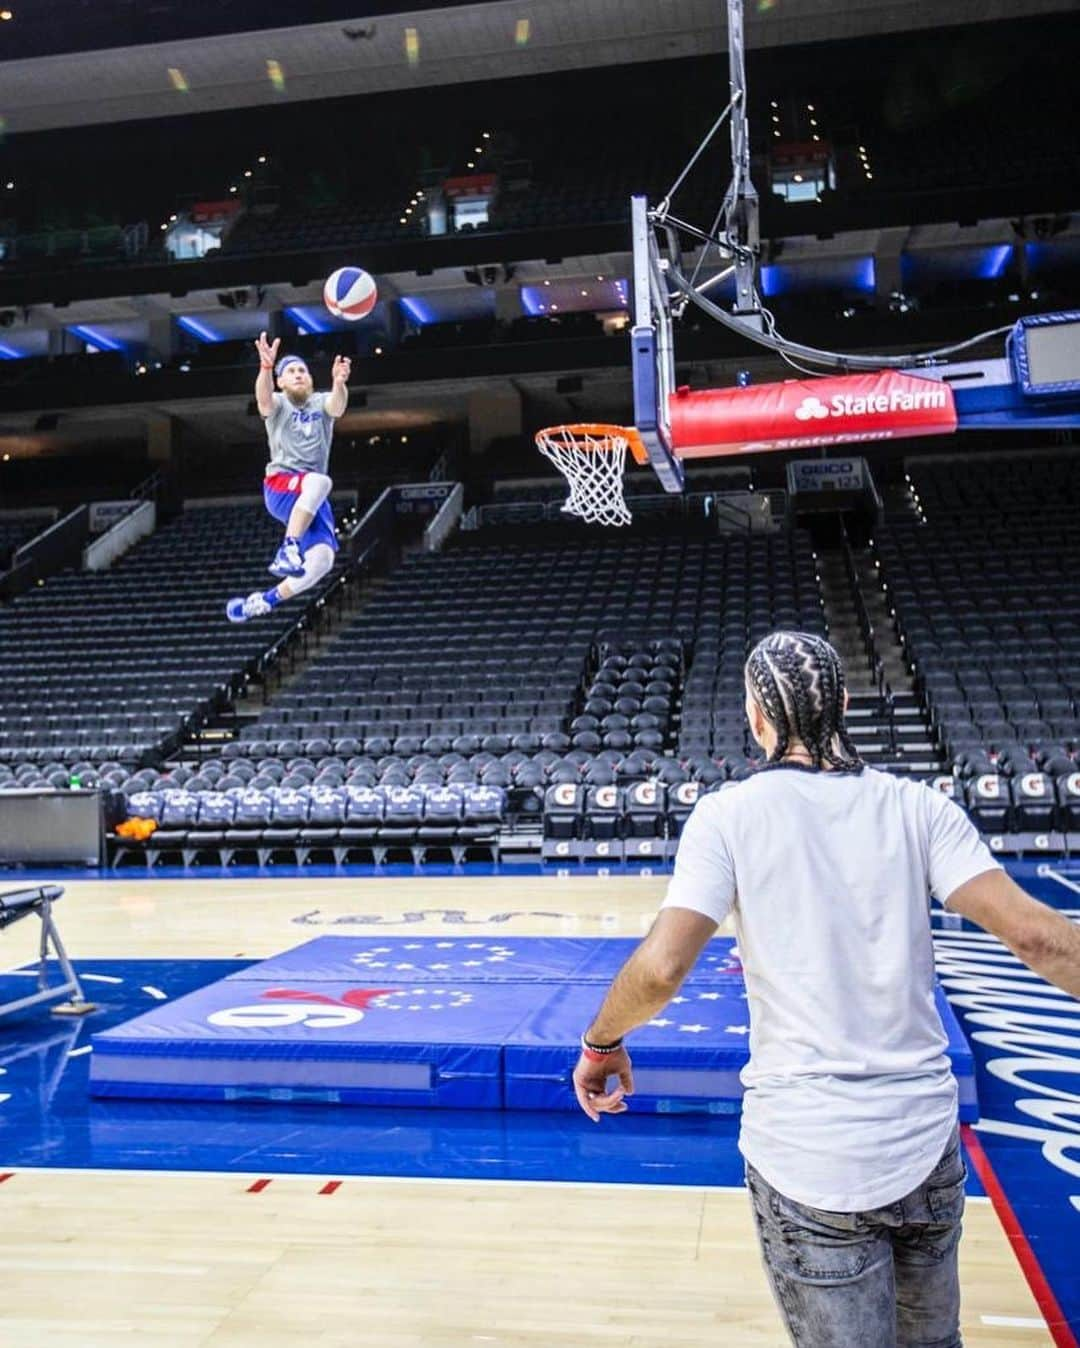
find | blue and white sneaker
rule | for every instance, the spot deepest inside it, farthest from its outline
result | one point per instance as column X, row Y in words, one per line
column 288, row 560
column 240, row 610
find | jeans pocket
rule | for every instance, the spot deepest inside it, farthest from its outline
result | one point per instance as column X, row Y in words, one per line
column 814, row 1245
column 946, row 1201
column 944, row 1187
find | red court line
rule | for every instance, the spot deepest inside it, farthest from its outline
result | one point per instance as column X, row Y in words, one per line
column 331, row 1187
column 258, row 1186
column 1052, row 1313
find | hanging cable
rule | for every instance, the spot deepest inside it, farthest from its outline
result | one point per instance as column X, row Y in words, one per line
column 836, row 360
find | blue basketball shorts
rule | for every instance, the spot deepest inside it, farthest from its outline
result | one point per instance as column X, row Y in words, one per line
column 280, row 491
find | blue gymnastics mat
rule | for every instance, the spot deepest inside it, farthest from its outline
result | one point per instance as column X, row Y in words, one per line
column 468, row 1023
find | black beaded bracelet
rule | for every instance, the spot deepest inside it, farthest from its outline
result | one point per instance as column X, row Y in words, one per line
column 601, row 1048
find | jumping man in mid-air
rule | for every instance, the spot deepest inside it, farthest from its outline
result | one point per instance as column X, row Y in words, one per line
column 299, row 428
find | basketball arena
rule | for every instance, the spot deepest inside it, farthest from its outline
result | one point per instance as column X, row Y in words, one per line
column 422, row 435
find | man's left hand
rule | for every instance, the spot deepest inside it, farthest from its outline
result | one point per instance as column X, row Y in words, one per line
column 591, row 1084
column 341, row 370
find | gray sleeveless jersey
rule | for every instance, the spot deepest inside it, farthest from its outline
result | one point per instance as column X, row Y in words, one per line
column 299, row 436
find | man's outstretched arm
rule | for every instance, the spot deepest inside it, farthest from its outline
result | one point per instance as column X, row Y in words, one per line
column 1044, row 939
column 647, row 982
column 264, row 383
column 653, row 974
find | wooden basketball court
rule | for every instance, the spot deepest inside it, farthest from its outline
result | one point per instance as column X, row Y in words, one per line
column 165, row 1257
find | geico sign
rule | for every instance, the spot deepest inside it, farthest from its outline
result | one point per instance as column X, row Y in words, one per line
column 827, row 468
column 281, row 1015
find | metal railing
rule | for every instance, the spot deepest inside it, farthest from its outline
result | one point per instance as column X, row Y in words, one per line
column 59, row 545
column 124, row 534
column 445, row 519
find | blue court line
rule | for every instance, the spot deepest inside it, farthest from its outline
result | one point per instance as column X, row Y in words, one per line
column 49, row 1119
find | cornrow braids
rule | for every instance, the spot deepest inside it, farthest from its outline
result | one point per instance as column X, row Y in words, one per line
column 798, row 681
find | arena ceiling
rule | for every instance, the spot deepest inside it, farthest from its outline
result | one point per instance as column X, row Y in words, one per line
column 377, row 52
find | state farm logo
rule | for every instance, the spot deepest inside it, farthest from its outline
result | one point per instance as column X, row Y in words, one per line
column 872, row 404
column 811, row 409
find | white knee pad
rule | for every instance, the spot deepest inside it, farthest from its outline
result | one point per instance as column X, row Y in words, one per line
column 318, row 562
column 314, row 490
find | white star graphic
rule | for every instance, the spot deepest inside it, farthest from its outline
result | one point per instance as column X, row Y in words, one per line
column 471, row 964
column 661, row 1023
column 377, row 964
column 708, row 996
column 677, row 1001
column 475, row 945
column 416, row 1008
column 693, row 1029
column 444, row 945
column 404, row 966
column 413, row 945
column 496, row 959
column 436, row 1006
column 737, row 1029
column 438, row 966
column 380, row 950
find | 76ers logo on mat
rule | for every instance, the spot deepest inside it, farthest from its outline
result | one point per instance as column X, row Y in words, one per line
column 281, row 1008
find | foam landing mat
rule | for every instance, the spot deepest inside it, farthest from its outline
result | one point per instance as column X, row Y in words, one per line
column 467, row 1023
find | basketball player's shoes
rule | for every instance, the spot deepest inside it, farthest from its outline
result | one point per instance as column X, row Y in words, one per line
column 240, row 610
column 288, row 560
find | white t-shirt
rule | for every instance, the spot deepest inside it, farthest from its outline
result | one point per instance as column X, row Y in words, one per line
column 850, row 1098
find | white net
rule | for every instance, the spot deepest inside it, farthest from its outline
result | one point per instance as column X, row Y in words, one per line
column 592, row 459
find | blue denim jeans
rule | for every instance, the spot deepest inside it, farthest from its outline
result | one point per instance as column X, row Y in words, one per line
column 880, row 1279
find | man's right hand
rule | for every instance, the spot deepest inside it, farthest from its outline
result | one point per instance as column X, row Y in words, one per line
column 267, row 350
column 590, row 1084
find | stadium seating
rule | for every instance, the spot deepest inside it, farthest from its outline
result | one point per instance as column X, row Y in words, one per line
column 340, row 823
column 582, row 686
column 488, row 675
column 983, row 574
column 108, row 671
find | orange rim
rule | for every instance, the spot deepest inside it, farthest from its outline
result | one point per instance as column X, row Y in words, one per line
column 598, row 430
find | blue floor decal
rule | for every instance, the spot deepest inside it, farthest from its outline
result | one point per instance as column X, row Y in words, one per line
column 1025, row 1036
column 49, row 1120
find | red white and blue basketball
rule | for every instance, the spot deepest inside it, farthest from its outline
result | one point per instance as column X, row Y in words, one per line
column 350, row 293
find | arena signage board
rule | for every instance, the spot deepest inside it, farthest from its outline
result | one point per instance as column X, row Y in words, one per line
column 802, row 413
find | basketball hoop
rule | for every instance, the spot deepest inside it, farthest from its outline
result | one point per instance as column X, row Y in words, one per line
column 592, row 459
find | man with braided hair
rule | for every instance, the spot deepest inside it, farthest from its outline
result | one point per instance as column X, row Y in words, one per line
column 798, row 680
column 849, row 1124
